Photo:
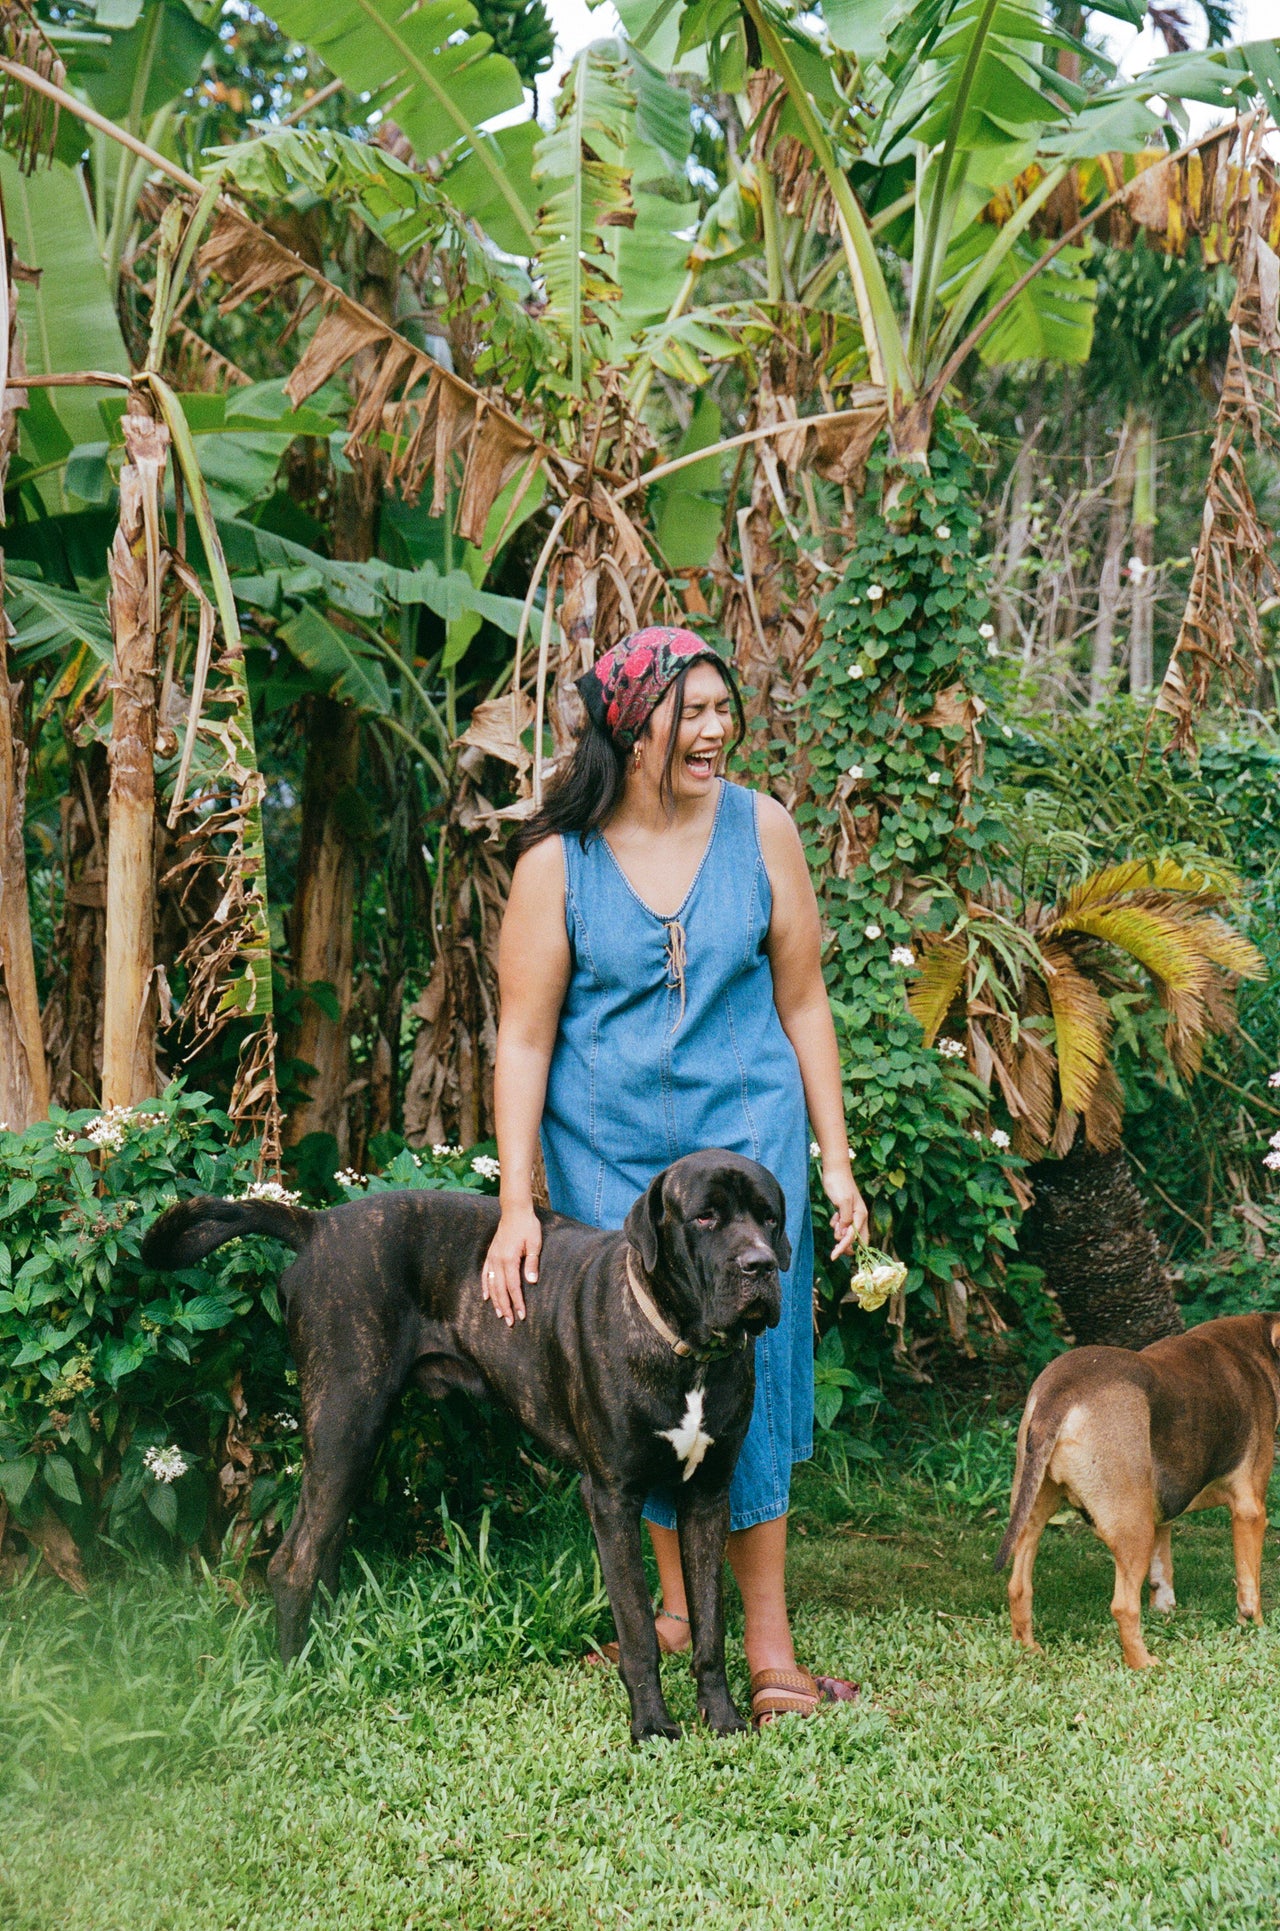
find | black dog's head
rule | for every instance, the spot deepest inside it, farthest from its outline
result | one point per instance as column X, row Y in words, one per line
column 710, row 1231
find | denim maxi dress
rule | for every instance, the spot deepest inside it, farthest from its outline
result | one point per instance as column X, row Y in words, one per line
column 645, row 1070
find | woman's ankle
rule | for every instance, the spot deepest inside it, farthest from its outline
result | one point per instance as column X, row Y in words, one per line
column 673, row 1629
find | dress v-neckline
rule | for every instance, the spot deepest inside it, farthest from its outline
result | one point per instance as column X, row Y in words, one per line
column 670, row 918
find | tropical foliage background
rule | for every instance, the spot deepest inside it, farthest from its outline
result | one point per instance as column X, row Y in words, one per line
column 914, row 353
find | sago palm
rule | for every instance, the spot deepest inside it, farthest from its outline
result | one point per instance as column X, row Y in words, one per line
column 1030, row 987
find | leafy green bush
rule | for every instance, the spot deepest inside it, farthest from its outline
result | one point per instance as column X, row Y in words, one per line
column 1238, row 1273
column 150, row 1407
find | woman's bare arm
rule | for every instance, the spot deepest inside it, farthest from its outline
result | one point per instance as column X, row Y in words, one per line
column 794, row 946
column 533, row 976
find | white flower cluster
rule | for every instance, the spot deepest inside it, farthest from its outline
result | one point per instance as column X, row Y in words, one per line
column 443, row 1151
column 951, row 1048
column 287, row 1423
column 166, row 1464
column 1272, row 1159
column 109, row 1129
column 875, row 1277
column 348, row 1177
column 902, row 955
column 151, row 1119
column 271, row 1190
column 997, row 1136
column 64, row 1141
column 486, row 1166
column 1273, row 1079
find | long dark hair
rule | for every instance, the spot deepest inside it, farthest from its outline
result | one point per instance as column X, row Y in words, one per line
column 584, row 793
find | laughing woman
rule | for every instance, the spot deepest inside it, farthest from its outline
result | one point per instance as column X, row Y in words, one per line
column 661, row 993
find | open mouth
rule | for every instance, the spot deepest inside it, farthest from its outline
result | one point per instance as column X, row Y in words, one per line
column 700, row 764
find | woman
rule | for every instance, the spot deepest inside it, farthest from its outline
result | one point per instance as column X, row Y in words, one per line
column 661, row 993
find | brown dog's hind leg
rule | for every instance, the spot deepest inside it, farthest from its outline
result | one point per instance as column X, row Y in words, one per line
column 1160, row 1574
column 1248, row 1531
column 1130, row 1534
column 1048, row 1501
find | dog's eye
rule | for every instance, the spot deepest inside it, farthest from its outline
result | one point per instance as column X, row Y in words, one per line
column 705, row 1220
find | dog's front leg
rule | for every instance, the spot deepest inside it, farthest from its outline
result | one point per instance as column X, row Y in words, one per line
column 703, row 1519
column 615, row 1517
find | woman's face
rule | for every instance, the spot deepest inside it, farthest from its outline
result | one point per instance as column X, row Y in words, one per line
column 702, row 730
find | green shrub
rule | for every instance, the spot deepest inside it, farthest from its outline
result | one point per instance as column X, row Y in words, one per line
column 1239, row 1273
column 149, row 1407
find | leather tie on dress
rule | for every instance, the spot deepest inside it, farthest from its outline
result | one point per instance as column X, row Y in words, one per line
column 677, row 954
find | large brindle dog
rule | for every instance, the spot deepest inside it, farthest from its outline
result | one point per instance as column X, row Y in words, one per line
column 1133, row 1439
column 634, row 1365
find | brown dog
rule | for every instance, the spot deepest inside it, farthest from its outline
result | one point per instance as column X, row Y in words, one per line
column 1133, row 1440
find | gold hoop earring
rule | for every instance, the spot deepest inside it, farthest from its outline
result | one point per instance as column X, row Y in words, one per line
column 637, row 752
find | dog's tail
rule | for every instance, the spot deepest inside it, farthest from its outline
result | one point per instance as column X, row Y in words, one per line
column 186, row 1233
column 1042, row 1433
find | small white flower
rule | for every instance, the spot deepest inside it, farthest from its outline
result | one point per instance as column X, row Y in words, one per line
column 271, row 1190
column 348, row 1177
column 951, row 1048
column 1137, row 569
column 1274, row 1141
column 5, row 1127
column 874, row 592
column 943, row 532
column 442, row 1150
column 986, row 630
column 873, row 931
column 486, row 1166
column 935, row 777
column 1006, row 730
column 975, row 1135
column 815, row 1151
column 109, row 1129
column 993, row 648
column 166, row 1464
column 856, row 670
column 1271, row 1160
column 284, row 1420
column 1273, row 1079
column 903, row 955
column 63, row 1140
column 999, row 1138
column 856, row 771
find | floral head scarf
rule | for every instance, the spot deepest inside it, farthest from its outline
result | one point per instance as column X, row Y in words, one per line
column 624, row 687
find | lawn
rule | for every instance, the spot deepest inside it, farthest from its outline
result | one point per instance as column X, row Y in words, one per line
column 446, row 1760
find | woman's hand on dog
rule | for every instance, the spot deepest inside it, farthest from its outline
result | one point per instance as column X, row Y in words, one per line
column 512, row 1257
column 849, row 1222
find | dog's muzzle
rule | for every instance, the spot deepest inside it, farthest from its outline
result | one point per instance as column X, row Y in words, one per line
column 761, row 1306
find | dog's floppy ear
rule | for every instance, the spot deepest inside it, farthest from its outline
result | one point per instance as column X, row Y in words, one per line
column 642, row 1223
column 1273, row 1326
column 781, row 1245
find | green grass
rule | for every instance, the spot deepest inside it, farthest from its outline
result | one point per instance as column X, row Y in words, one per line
column 444, row 1759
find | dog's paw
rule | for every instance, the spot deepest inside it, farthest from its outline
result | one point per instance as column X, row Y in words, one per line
column 1163, row 1598
column 723, row 1722
column 662, row 1727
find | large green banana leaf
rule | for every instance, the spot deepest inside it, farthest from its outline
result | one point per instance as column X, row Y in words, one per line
column 439, row 80
column 68, row 319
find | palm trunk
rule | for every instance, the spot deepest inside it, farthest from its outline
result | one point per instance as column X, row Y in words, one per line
column 1141, row 664
column 1087, row 1230
column 1018, row 540
column 129, row 1017
column 1111, row 583
column 24, row 1073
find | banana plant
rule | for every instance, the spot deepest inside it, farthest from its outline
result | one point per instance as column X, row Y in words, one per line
column 915, row 116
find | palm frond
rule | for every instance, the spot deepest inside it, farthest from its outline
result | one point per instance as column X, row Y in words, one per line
column 1081, row 1024
column 937, row 984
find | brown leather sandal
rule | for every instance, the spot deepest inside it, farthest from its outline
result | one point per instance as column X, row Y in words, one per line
column 796, row 1692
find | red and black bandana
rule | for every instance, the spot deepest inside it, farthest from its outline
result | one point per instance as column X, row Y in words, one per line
column 624, row 687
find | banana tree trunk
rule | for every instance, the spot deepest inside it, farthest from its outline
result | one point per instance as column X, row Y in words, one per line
column 1087, row 1230
column 24, row 1073
column 1141, row 663
column 321, row 921
column 1111, row 582
column 129, row 995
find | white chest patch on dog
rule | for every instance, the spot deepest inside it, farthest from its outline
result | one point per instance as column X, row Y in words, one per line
column 689, row 1439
